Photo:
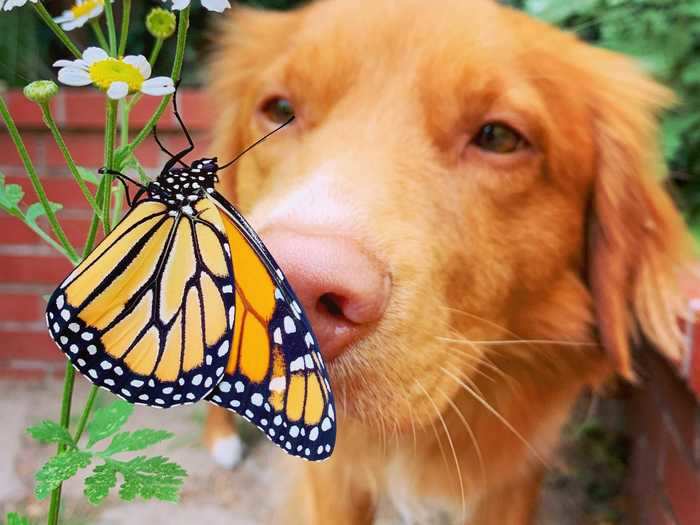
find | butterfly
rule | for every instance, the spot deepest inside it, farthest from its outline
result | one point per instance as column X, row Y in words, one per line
column 182, row 301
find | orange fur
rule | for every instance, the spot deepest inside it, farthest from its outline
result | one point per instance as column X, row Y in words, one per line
column 571, row 241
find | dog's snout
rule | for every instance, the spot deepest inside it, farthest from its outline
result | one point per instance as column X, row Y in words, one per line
column 344, row 290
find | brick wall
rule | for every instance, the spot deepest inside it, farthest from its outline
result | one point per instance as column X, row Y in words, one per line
column 29, row 268
column 664, row 415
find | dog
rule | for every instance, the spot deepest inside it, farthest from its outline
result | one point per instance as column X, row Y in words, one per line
column 469, row 205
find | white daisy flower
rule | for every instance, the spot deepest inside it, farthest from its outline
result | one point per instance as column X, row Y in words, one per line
column 81, row 12
column 7, row 5
column 117, row 76
column 212, row 5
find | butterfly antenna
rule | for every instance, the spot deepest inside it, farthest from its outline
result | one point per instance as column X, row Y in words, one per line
column 255, row 144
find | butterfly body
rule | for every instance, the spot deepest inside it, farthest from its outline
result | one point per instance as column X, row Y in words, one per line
column 183, row 302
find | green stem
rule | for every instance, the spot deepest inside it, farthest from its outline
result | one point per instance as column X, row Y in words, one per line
column 124, row 32
column 36, row 183
column 36, row 229
column 182, row 27
column 155, row 51
column 123, row 141
column 51, row 124
column 68, row 383
column 99, row 34
column 111, row 29
column 62, row 36
column 86, row 414
column 110, row 127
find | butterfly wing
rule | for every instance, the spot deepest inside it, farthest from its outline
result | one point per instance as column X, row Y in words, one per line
column 275, row 376
column 149, row 313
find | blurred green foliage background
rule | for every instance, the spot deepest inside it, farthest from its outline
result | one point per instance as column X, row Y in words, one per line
column 663, row 34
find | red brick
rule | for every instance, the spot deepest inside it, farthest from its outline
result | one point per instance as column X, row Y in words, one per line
column 21, row 307
column 29, row 346
column 196, row 110
column 87, row 149
column 24, row 112
column 84, row 108
column 61, row 189
column 656, row 512
column 34, row 270
column 32, row 141
column 682, row 484
column 694, row 365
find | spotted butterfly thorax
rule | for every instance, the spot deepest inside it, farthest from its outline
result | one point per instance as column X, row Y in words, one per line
column 182, row 301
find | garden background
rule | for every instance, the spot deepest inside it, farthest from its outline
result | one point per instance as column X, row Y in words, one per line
column 661, row 467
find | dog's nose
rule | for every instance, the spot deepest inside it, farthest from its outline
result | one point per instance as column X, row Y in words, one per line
column 343, row 289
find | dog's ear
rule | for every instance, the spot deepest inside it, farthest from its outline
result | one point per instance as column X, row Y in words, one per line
column 638, row 244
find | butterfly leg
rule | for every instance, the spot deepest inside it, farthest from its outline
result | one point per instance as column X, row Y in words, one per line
column 123, row 178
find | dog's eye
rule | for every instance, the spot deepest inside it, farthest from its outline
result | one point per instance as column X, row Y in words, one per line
column 277, row 110
column 499, row 138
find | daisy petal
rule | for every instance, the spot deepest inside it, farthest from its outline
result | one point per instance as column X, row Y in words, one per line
column 93, row 54
column 216, row 5
column 72, row 76
column 140, row 63
column 118, row 90
column 74, row 24
column 63, row 63
column 158, row 86
column 180, row 4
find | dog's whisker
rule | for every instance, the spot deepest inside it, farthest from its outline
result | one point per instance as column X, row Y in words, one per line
column 495, row 342
column 452, row 447
column 495, row 413
column 470, row 432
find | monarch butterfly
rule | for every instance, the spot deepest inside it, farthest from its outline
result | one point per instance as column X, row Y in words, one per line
column 182, row 301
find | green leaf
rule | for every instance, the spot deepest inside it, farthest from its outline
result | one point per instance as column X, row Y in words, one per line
column 98, row 485
column 10, row 195
column 108, row 420
column 58, row 469
column 36, row 210
column 51, row 432
column 88, row 175
column 151, row 478
column 138, row 440
column 15, row 519
column 122, row 156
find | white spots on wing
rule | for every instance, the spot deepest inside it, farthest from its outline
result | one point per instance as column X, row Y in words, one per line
column 223, row 349
column 65, row 314
column 177, row 397
column 278, row 384
column 91, row 349
column 331, row 413
column 143, row 397
column 308, row 361
column 209, row 360
column 277, row 336
column 227, row 289
column 297, row 364
column 189, row 395
column 235, row 403
column 231, row 315
column 278, row 420
column 81, row 362
column 126, row 392
column 86, row 336
column 294, row 431
column 257, row 399
column 308, row 339
column 74, row 327
column 278, row 294
column 289, row 326
column 56, row 328
column 225, row 387
column 63, row 339
column 106, row 365
column 168, row 390
column 208, row 382
column 73, row 349
column 249, row 413
column 239, row 387
column 197, row 380
column 92, row 373
column 313, row 434
column 60, row 302
column 118, row 370
column 136, row 383
column 326, row 424
column 159, row 401
column 151, row 383
column 279, row 274
column 109, row 382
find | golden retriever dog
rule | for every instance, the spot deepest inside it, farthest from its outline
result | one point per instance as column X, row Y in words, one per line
column 469, row 206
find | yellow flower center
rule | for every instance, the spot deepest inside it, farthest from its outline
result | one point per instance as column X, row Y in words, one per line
column 83, row 9
column 104, row 72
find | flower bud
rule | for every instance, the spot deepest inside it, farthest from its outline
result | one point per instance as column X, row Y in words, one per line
column 41, row 91
column 160, row 23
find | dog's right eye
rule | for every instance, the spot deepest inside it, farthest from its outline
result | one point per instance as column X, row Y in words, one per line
column 277, row 110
